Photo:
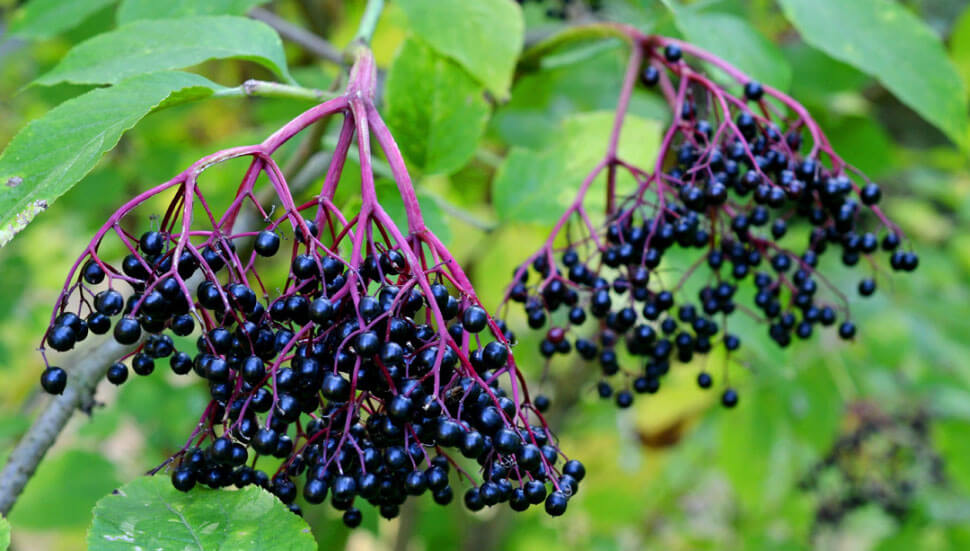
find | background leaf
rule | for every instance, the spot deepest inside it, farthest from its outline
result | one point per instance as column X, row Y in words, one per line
column 484, row 36
column 132, row 10
column 149, row 513
column 4, row 534
column 434, row 218
column 960, row 45
column 885, row 40
column 58, row 497
column 46, row 18
column 436, row 111
column 536, row 186
column 541, row 100
column 737, row 42
column 54, row 152
column 157, row 45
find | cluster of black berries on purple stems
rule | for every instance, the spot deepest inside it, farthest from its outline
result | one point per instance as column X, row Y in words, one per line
column 370, row 373
column 560, row 9
column 882, row 460
column 744, row 200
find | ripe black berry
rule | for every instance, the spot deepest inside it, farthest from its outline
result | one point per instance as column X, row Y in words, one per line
column 847, row 330
column 352, row 517
column 61, row 338
column 867, row 287
column 267, row 243
column 151, row 243
column 729, row 398
column 870, row 194
column 53, row 380
column 474, row 319
column 183, row 479
column 117, row 373
column 93, row 273
column 127, row 331
column 672, row 53
column 556, row 504
column 753, row 91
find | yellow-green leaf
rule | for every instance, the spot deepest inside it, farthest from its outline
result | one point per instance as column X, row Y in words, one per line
column 537, row 186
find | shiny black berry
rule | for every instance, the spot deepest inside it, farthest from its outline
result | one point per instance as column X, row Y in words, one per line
column 556, row 504
column 127, row 331
column 117, row 373
column 267, row 243
column 53, row 380
column 61, row 338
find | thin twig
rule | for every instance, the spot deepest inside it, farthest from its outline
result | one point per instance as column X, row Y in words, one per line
column 84, row 377
column 298, row 35
column 461, row 214
column 265, row 89
column 368, row 21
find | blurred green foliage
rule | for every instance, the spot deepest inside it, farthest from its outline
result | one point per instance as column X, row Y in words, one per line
column 674, row 472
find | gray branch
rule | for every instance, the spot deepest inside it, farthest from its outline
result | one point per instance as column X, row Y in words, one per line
column 79, row 394
column 298, row 35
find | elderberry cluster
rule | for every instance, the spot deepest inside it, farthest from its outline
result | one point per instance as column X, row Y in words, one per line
column 735, row 217
column 883, row 460
column 342, row 392
column 369, row 373
column 560, row 9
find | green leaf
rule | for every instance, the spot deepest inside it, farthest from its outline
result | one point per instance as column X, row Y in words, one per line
column 483, row 36
column 4, row 534
column 132, row 10
column 434, row 218
column 54, row 152
column 820, row 76
column 41, row 19
column 437, row 112
column 536, row 186
column 863, row 142
column 149, row 513
column 960, row 45
column 747, row 48
column 161, row 44
column 542, row 99
column 885, row 40
column 63, row 491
